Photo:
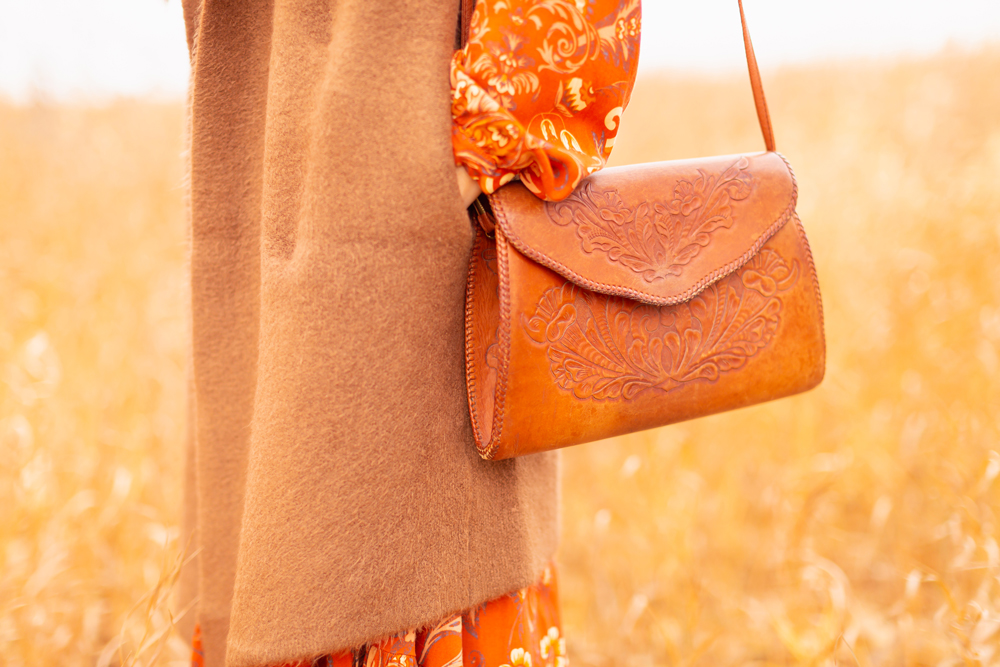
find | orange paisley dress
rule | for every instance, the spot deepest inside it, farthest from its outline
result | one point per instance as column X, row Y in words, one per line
column 520, row 629
column 537, row 94
column 539, row 89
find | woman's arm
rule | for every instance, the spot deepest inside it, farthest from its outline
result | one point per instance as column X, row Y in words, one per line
column 467, row 186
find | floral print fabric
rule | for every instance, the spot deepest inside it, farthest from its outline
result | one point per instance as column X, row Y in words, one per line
column 520, row 629
column 539, row 89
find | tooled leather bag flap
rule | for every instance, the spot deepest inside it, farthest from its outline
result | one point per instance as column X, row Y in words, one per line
column 657, row 232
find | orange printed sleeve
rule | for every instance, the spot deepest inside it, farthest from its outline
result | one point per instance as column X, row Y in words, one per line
column 539, row 89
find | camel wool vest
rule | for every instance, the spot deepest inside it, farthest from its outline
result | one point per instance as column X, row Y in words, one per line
column 335, row 495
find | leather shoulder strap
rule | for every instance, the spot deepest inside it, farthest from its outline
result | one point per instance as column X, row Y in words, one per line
column 465, row 20
column 758, row 89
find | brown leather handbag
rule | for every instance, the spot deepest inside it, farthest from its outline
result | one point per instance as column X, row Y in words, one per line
column 654, row 294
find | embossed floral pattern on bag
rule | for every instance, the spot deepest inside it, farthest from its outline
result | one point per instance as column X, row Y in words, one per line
column 656, row 239
column 521, row 629
column 539, row 89
column 609, row 348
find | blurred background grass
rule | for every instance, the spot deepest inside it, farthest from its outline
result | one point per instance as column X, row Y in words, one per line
column 852, row 525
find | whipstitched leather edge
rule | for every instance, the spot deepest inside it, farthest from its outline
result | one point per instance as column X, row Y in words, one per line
column 470, row 366
column 503, row 340
column 815, row 279
column 489, row 449
column 713, row 277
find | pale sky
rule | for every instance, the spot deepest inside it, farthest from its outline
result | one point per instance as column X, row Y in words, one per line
column 95, row 49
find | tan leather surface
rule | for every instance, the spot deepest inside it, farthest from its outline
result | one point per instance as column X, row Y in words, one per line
column 658, row 232
column 551, row 363
column 482, row 354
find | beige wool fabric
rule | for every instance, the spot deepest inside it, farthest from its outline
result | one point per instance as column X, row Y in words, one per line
column 336, row 493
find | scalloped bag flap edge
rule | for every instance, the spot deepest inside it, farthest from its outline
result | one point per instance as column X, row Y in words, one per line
column 660, row 232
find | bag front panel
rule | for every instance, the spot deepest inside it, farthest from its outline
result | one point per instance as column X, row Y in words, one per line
column 585, row 366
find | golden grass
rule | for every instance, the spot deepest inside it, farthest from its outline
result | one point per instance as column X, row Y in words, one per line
column 92, row 353
column 852, row 525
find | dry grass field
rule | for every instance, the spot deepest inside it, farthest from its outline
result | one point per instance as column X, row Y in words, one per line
column 853, row 525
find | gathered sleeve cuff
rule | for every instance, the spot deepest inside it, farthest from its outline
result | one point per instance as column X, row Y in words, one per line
column 539, row 89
